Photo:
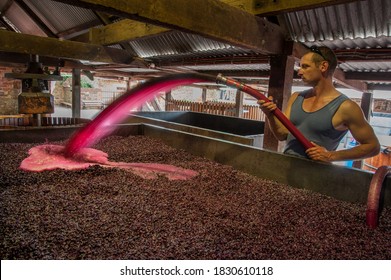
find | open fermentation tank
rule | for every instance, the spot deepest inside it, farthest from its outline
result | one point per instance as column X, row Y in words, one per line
column 246, row 203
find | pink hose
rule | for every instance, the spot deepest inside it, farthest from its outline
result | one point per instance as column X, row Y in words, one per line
column 374, row 195
column 279, row 115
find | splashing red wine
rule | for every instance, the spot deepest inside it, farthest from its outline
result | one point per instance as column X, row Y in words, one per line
column 50, row 157
column 77, row 155
column 104, row 124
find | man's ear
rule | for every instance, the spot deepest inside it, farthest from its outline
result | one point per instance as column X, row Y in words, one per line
column 324, row 66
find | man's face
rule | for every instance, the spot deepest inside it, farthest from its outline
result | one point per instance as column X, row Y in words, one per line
column 308, row 71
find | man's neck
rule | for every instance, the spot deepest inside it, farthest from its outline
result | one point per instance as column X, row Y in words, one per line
column 324, row 88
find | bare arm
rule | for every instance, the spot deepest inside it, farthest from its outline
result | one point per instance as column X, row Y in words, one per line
column 278, row 129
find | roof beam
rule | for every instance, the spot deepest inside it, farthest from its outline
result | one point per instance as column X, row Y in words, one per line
column 29, row 44
column 238, row 73
column 339, row 78
column 230, row 24
column 273, row 7
column 6, row 6
column 105, row 19
column 79, row 28
column 127, row 30
column 124, row 30
column 369, row 76
column 385, row 87
column 36, row 19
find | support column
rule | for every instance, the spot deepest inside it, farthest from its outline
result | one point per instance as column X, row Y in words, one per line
column 168, row 101
column 239, row 104
column 204, row 95
column 76, row 93
column 280, row 87
column 366, row 106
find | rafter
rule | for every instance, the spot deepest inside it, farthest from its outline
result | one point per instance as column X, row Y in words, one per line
column 29, row 44
column 273, row 7
column 230, row 24
column 36, row 19
column 339, row 78
column 369, row 76
column 127, row 29
column 124, row 30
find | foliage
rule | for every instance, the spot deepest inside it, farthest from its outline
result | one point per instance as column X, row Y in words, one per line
column 85, row 82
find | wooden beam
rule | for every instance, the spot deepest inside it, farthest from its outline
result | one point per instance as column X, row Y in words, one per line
column 339, row 78
column 124, row 30
column 6, row 6
column 36, row 19
column 66, row 34
column 238, row 73
column 385, row 87
column 273, row 7
column 239, row 103
column 105, row 19
column 231, row 25
column 369, row 76
column 127, row 30
column 366, row 104
column 29, row 44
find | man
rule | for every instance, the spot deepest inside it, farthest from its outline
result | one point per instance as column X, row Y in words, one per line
column 323, row 114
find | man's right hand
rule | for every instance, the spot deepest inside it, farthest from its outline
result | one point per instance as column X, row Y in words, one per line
column 267, row 107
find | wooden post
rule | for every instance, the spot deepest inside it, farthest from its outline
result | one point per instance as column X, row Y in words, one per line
column 76, row 93
column 366, row 106
column 168, row 101
column 239, row 104
column 280, row 87
column 204, row 90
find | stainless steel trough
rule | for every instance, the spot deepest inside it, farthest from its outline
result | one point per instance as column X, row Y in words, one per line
column 243, row 131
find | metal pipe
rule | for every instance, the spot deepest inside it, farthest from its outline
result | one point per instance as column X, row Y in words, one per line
column 259, row 96
column 375, row 188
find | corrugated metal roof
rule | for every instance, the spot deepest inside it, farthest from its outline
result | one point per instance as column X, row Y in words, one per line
column 356, row 25
column 362, row 66
column 23, row 23
column 179, row 44
column 60, row 17
column 352, row 25
column 358, row 43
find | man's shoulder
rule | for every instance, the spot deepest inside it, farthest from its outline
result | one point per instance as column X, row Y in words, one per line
column 349, row 106
column 304, row 92
column 344, row 96
column 294, row 96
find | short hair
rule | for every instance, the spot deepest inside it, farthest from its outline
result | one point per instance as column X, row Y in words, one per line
column 324, row 53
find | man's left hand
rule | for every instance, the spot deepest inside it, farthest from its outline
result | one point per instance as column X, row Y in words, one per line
column 319, row 153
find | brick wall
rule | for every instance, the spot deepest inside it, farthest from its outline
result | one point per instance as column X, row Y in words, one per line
column 382, row 105
column 9, row 90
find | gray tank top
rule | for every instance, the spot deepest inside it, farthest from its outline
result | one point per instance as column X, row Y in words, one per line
column 315, row 126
